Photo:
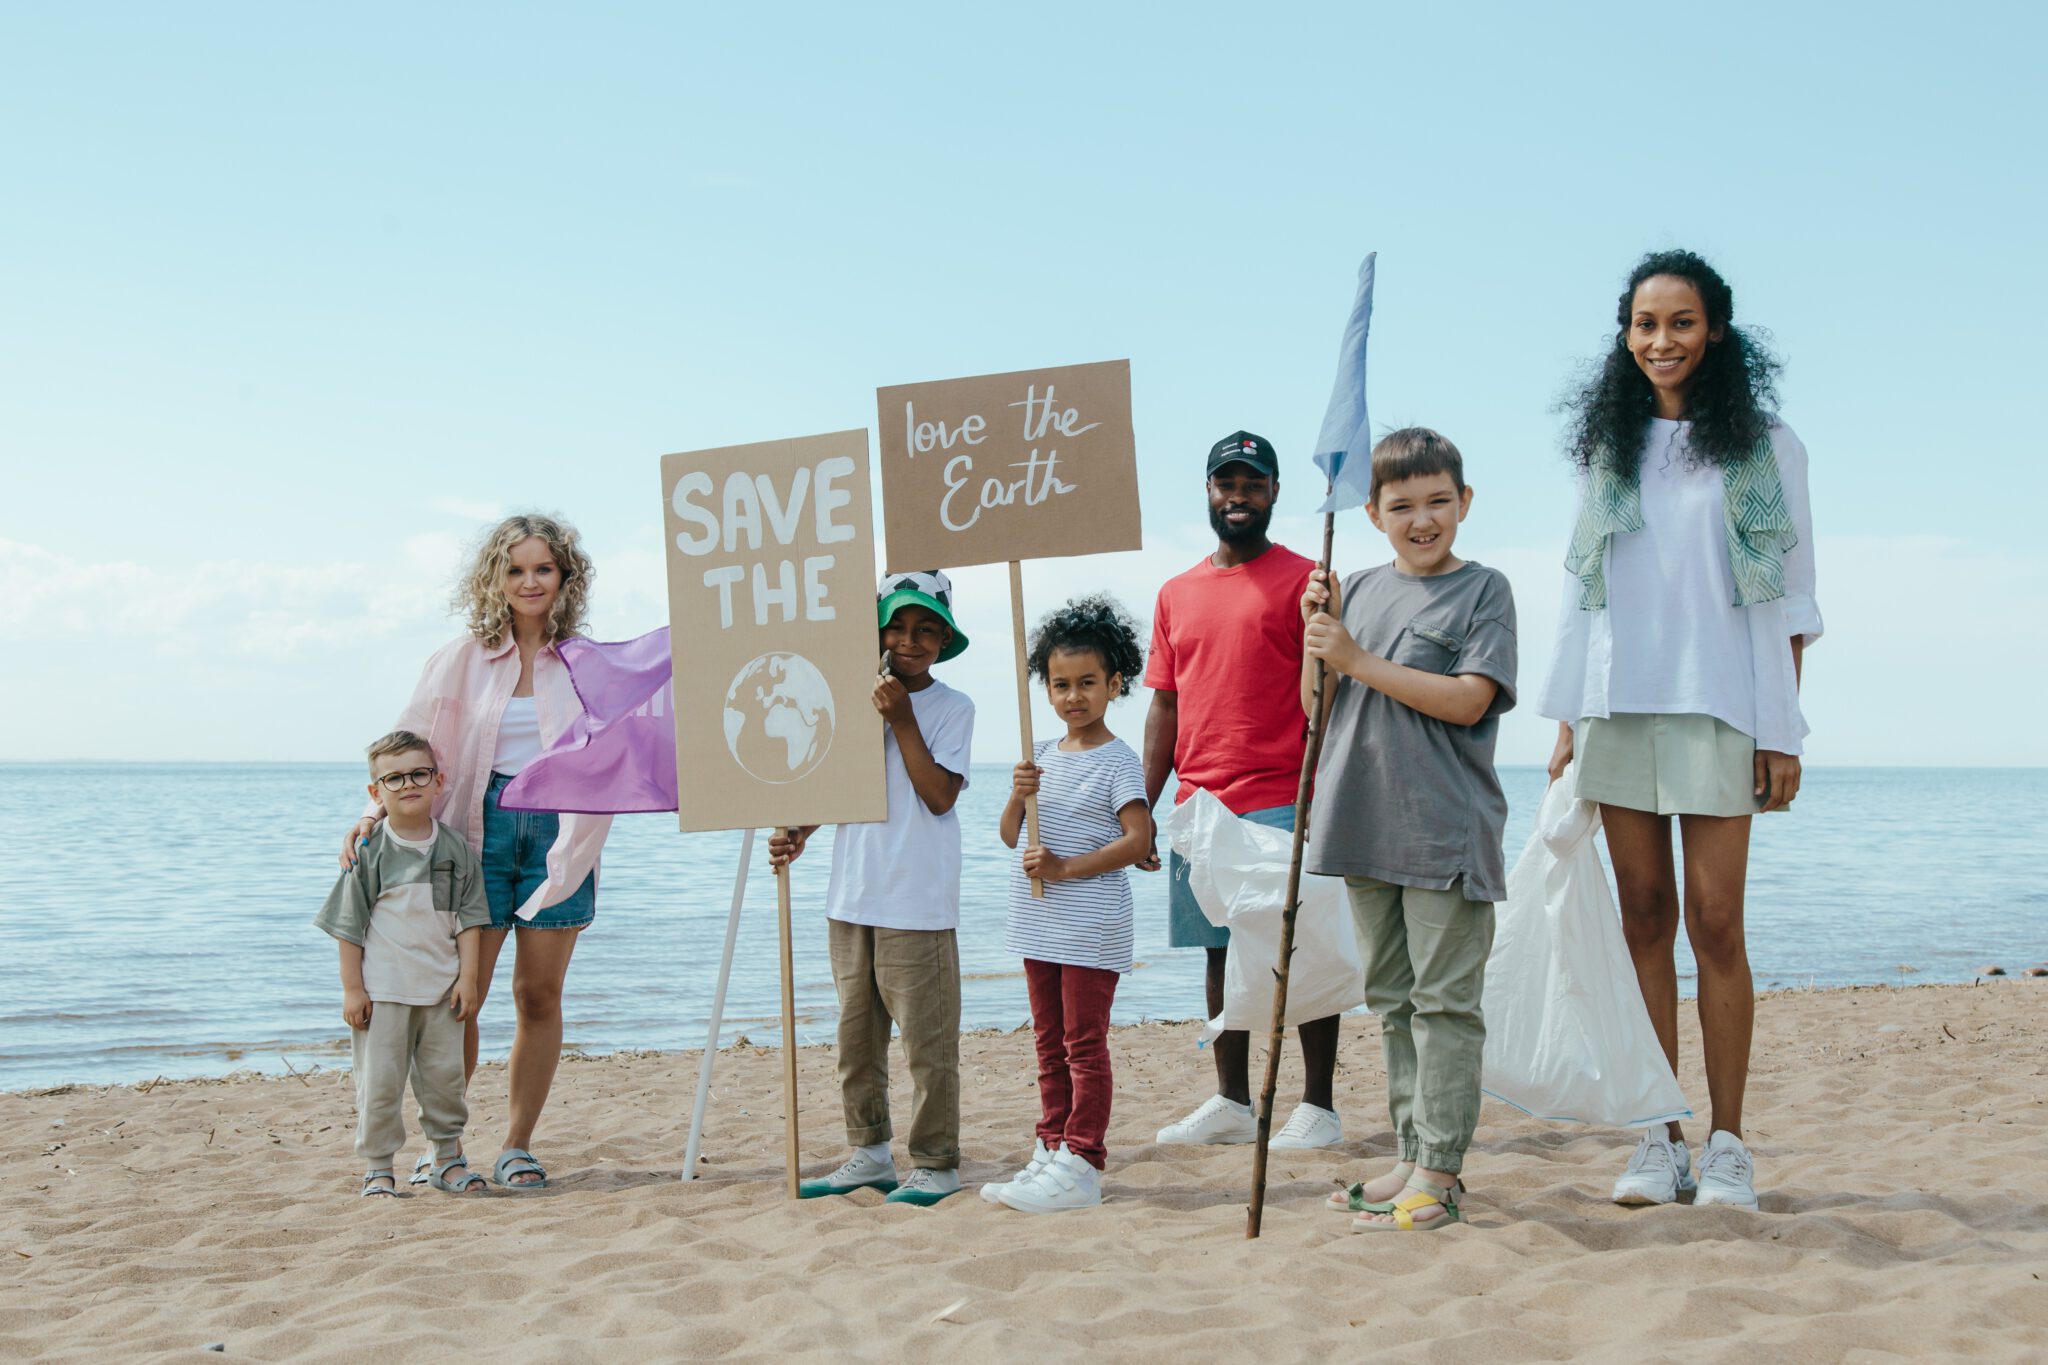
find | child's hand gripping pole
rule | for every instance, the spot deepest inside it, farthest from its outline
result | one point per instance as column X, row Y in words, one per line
column 1024, row 709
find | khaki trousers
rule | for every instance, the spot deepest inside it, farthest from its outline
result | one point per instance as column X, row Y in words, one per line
column 420, row 1042
column 910, row 977
column 1425, row 969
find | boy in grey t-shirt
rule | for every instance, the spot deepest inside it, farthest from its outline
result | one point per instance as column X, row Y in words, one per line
column 406, row 917
column 1408, row 809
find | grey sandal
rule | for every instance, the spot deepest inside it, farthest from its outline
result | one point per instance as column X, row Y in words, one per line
column 518, row 1161
column 462, row 1184
column 371, row 1188
column 420, row 1169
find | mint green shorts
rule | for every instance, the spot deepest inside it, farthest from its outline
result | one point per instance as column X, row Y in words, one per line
column 1667, row 765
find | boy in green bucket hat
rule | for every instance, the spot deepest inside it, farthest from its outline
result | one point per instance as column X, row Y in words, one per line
column 893, row 907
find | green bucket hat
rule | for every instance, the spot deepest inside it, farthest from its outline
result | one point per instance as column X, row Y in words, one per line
column 927, row 588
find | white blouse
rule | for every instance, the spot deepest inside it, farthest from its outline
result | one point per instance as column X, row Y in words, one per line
column 1671, row 641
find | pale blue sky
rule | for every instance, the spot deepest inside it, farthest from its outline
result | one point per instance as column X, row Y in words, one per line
column 291, row 299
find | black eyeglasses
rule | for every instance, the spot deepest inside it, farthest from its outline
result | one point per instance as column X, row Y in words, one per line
column 398, row 782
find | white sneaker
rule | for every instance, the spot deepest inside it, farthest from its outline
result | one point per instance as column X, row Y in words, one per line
column 1218, row 1120
column 993, row 1191
column 1310, row 1125
column 1657, row 1172
column 1065, row 1182
column 1727, row 1175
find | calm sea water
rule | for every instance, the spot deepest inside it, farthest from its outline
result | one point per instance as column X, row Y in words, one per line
column 155, row 918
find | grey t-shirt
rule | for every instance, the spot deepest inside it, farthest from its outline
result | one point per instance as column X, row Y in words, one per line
column 1399, row 795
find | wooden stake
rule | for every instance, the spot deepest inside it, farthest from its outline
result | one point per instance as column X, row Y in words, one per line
column 732, row 933
column 1278, row 1035
column 789, row 1154
column 1024, row 710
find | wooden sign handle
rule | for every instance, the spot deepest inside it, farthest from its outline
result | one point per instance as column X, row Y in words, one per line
column 1024, row 710
column 789, row 1155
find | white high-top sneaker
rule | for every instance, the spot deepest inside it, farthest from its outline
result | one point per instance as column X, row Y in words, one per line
column 1066, row 1182
column 993, row 1191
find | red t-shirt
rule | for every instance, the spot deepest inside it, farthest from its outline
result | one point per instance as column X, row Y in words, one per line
column 1228, row 642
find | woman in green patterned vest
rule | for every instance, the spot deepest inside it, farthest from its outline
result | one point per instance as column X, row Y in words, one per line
column 1689, row 600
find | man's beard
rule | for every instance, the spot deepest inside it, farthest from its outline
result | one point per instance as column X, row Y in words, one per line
column 1250, row 533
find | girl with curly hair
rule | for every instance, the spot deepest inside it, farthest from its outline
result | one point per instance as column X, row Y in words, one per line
column 1093, row 822
column 490, row 702
column 1689, row 600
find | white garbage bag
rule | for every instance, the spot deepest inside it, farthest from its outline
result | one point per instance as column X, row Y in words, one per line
column 1238, row 873
column 1568, row 1038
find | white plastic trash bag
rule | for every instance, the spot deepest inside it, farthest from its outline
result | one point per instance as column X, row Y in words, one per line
column 1238, row 873
column 1568, row 1038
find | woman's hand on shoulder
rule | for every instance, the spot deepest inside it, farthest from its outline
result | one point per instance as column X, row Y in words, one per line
column 1777, row 779
column 1321, row 594
column 358, row 835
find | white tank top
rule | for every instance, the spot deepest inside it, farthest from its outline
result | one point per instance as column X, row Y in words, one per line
column 518, row 737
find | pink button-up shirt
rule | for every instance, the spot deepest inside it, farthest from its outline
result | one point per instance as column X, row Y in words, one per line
column 460, row 697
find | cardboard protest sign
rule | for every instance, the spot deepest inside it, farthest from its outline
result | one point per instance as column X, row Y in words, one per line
column 771, row 592
column 1035, row 464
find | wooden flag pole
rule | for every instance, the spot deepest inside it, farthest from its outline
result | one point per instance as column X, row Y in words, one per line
column 789, row 1154
column 1278, row 1034
column 1024, row 709
column 732, row 933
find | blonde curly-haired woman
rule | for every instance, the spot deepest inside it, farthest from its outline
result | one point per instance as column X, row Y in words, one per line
column 490, row 702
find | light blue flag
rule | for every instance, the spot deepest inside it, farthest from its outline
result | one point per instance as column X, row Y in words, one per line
column 1344, row 450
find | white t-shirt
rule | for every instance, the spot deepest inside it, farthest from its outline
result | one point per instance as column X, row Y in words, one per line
column 1086, row 922
column 409, row 953
column 904, row 872
column 518, row 737
column 1671, row 641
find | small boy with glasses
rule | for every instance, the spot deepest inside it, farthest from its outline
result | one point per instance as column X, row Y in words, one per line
column 406, row 918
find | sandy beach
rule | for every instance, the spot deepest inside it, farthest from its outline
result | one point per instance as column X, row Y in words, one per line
column 1902, row 1137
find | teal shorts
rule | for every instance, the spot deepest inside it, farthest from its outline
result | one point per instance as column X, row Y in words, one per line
column 1666, row 765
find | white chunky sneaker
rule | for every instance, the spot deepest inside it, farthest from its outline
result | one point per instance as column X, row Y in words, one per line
column 1218, row 1120
column 1727, row 1175
column 860, row 1171
column 1066, row 1182
column 993, row 1191
column 1310, row 1125
column 1657, row 1172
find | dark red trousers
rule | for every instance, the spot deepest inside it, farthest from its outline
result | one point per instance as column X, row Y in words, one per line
column 1070, row 1016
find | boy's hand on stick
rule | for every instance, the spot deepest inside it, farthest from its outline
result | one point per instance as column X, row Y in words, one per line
column 787, row 845
column 355, row 1008
column 892, row 699
column 1024, row 780
column 1043, row 866
column 1321, row 594
column 1325, row 638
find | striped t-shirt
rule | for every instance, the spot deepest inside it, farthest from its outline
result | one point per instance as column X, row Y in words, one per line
column 1086, row 922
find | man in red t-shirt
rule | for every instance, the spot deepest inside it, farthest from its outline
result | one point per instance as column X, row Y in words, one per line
column 1225, row 670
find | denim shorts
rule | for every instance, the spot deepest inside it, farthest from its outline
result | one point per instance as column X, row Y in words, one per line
column 516, row 844
column 1186, row 925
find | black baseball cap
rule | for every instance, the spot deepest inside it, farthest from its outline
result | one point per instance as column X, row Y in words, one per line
column 1242, row 447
